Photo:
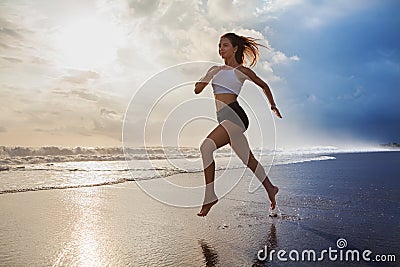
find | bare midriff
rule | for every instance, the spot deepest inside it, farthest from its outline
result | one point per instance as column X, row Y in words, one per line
column 221, row 100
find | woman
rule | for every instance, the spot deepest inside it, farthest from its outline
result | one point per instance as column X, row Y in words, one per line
column 227, row 81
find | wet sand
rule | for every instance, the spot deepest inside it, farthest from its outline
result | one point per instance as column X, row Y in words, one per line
column 121, row 225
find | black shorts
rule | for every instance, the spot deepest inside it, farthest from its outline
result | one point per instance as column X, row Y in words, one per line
column 234, row 113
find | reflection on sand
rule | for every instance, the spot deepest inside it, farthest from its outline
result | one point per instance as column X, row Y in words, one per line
column 270, row 244
column 272, row 240
column 210, row 254
column 83, row 247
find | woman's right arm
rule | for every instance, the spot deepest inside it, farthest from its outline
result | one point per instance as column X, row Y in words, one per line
column 202, row 83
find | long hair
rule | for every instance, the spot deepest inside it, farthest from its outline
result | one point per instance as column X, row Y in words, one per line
column 247, row 48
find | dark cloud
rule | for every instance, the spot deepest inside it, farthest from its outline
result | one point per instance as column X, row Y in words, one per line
column 351, row 68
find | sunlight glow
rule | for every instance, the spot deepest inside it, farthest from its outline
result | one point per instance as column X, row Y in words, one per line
column 87, row 43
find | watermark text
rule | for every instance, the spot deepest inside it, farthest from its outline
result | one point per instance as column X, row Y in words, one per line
column 338, row 253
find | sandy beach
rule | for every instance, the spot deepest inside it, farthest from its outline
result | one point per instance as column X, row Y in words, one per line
column 119, row 225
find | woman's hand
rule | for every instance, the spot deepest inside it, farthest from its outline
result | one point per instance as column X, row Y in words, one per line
column 200, row 85
column 276, row 111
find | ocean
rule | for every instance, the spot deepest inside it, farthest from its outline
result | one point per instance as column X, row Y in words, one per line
column 31, row 169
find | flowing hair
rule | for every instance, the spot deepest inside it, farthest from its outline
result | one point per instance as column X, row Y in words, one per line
column 247, row 48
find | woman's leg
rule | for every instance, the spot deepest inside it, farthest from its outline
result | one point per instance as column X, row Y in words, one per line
column 241, row 147
column 219, row 137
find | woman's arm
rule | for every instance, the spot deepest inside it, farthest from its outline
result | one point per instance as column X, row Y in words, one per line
column 202, row 83
column 264, row 86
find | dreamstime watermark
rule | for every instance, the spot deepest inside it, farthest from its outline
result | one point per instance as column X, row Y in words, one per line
column 332, row 254
column 164, row 110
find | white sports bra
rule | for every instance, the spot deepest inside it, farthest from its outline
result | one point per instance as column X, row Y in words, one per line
column 226, row 82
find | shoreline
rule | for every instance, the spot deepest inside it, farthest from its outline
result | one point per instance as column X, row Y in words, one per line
column 329, row 156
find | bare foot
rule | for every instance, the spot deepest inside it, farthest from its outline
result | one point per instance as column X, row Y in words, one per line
column 271, row 194
column 206, row 208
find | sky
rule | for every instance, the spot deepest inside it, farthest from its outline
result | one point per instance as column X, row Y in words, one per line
column 72, row 70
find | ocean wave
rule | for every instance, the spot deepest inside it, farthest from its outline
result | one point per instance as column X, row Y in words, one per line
column 155, row 173
column 35, row 169
column 20, row 156
column 45, row 162
column 23, row 160
column 302, row 160
column 40, row 188
column 60, row 169
column 59, row 154
column 333, row 150
column 109, row 175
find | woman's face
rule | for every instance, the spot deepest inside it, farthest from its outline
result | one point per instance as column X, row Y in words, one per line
column 226, row 50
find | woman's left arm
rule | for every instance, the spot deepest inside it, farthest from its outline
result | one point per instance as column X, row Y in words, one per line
column 264, row 86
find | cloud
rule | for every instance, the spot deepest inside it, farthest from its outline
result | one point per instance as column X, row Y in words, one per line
column 27, row 56
column 12, row 59
column 273, row 7
column 109, row 124
column 161, row 34
column 82, row 93
column 320, row 14
column 179, row 31
column 143, row 8
column 9, row 31
column 357, row 92
column 16, row 32
column 312, row 15
column 229, row 11
column 312, row 98
column 110, row 114
column 80, row 77
column 280, row 58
